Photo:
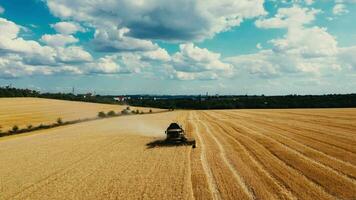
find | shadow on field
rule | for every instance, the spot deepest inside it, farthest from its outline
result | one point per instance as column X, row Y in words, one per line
column 165, row 143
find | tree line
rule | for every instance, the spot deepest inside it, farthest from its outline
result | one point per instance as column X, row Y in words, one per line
column 252, row 102
column 201, row 102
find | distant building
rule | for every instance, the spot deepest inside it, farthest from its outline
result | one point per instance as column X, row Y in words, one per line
column 120, row 98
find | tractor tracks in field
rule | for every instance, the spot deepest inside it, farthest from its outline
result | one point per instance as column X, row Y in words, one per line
column 216, row 169
column 249, row 192
column 207, row 169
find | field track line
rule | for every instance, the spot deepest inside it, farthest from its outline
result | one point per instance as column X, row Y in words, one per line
column 189, row 163
column 287, row 145
column 190, row 182
column 299, row 139
column 288, row 166
column 321, row 166
column 237, row 177
column 282, row 187
column 211, row 181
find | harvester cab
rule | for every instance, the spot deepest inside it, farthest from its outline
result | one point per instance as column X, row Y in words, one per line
column 175, row 134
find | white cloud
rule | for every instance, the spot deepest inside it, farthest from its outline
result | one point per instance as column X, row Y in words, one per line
column 310, row 50
column 2, row 10
column 156, row 55
column 308, row 42
column 185, row 76
column 347, row 57
column 129, row 62
column 116, row 40
column 20, row 57
column 8, row 29
column 340, row 9
column 309, row 2
column 105, row 65
column 192, row 61
column 345, row 1
column 189, row 63
column 305, row 41
column 58, row 40
column 72, row 54
column 294, row 16
column 67, row 28
column 191, row 58
column 160, row 19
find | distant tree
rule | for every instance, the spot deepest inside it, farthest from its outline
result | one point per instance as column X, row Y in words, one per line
column 15, row 128
column 29, row 126
column 59, row 121
column 101, row 114
column 111, row 113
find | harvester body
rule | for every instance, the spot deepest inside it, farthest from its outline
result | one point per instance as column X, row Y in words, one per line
column 175, row 134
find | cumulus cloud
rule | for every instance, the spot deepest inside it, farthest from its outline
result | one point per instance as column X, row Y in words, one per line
column 340, row 9
column 346, row 56
column 21, row 57
column 303, row 49
column 156, row 55
column 67, row 28
column 116, row 40
column 294, row 16
column 191, row 58
column 301, row 40
column 185, row 76
column 2, row 10
column 192, row 61
column 72, row 54
column 189, row 63
column 309, row 2
column 307, row 42
column 58, row 40
column 129, row 62
column 104, row 65
column 160, row 19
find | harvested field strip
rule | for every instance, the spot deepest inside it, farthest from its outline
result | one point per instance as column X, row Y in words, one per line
column 199, row 179
column 281, row 171
column 227, row 162
column 338, row 165
column 315, row 171
column 328, row 128
column 227, row 187
column 257, row 179
column 299, row 136
column 206, row 167
column 345, row 124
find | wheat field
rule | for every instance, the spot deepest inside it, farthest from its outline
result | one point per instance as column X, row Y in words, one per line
column 240, row 154
column 35, row 111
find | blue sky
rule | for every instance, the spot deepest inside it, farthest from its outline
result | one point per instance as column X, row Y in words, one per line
column 179, row 47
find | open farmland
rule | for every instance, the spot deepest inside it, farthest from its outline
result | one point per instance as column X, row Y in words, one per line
column 34, row 111
column 240, row 154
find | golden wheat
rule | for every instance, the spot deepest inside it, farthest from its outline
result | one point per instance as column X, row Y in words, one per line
column 240, row 154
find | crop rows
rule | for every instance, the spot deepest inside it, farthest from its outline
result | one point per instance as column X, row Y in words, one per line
column 240, row 154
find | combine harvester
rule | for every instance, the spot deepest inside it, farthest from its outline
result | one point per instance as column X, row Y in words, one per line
column 176, row 135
